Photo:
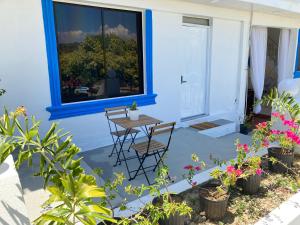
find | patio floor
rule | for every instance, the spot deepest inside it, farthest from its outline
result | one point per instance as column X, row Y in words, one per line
column 185, row 141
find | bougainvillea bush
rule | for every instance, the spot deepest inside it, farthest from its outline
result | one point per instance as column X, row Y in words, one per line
column 286, row 138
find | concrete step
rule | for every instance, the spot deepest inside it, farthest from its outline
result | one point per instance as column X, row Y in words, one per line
column 226, row 127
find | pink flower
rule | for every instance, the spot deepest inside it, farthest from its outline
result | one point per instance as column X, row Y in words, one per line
column 265, row 143
column 188, row 167
column 194, row 183
column 239, row 146
column 262, row 125
column 230, row 169
column 278, row 115
column 246, row 148
column 259, row 172
column 197, row 168
column 276, row 132
column 238, row 172
column 290, row 123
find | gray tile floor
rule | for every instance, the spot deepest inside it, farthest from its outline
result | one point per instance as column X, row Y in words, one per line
column 185, row 142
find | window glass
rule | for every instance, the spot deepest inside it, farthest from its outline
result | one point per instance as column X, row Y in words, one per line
column 100, row 52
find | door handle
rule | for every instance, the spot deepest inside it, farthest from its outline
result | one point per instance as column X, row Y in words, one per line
column 182, row 81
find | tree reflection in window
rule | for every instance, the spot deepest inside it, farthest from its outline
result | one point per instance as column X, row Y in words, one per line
column 100, row 52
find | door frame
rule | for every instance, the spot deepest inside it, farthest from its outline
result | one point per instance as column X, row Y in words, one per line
column 208, row 65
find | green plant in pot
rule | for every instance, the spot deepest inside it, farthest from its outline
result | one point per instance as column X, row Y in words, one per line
column 214, row 194
column 246, row 124
column 283, row 140
column 134, row 112
column 249, row 167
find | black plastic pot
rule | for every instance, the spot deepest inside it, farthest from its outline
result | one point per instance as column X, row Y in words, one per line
column 244, row 129
column 214, row 209
column 174, row 219
column 251, row 184
column 283, row 157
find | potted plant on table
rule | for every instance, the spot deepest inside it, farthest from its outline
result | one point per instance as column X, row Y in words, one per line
column 134, row 113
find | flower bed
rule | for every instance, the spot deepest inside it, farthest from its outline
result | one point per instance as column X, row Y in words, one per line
column 247, row 209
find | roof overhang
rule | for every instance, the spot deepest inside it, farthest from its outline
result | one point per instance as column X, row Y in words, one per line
column 286, row 8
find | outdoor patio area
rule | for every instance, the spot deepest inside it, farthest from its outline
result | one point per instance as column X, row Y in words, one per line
column 185, row 142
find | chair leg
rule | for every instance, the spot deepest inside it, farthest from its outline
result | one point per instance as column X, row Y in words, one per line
column 114, row 147
column 121, row 148
column 141, row 160
column 160, row 159
column 162, row 162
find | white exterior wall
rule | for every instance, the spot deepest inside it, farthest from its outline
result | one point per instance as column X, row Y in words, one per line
column 24, row 70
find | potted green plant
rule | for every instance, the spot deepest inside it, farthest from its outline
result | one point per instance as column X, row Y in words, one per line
column 249, row 169
column 281, row 154
column 214, row 194
column 246, row 124
column 134, row 113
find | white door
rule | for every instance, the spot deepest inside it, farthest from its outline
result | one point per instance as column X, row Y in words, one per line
column 194, row 74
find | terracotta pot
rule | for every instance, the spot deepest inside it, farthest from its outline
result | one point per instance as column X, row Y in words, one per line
column 251, row 184
column 284, row 157
column 175, row 219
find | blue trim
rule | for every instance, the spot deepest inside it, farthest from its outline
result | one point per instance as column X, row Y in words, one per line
column 59, row 110
column 297, row 73
column 149, row 50
column 90, row 107
column 50, row 36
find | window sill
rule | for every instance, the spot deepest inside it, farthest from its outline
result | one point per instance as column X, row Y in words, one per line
column 297, row 74
column 90, row 107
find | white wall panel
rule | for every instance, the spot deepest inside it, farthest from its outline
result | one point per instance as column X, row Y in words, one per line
column 225, row 65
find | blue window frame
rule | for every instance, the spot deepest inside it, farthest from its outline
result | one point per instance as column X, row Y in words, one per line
column 58, row 109
column 297, row 63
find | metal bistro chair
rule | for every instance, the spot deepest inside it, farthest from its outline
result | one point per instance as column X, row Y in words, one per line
column 117, row 134
column 152, row 148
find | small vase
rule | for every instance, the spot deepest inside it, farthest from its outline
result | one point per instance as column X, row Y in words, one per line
column 283, row 157
column 134, row 114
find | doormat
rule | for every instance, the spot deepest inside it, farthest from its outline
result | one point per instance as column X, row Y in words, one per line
column 204, row 126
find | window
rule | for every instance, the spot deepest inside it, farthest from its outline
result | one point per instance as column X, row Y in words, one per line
column 196, row 21
column 96, row 59
column 100, row 52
